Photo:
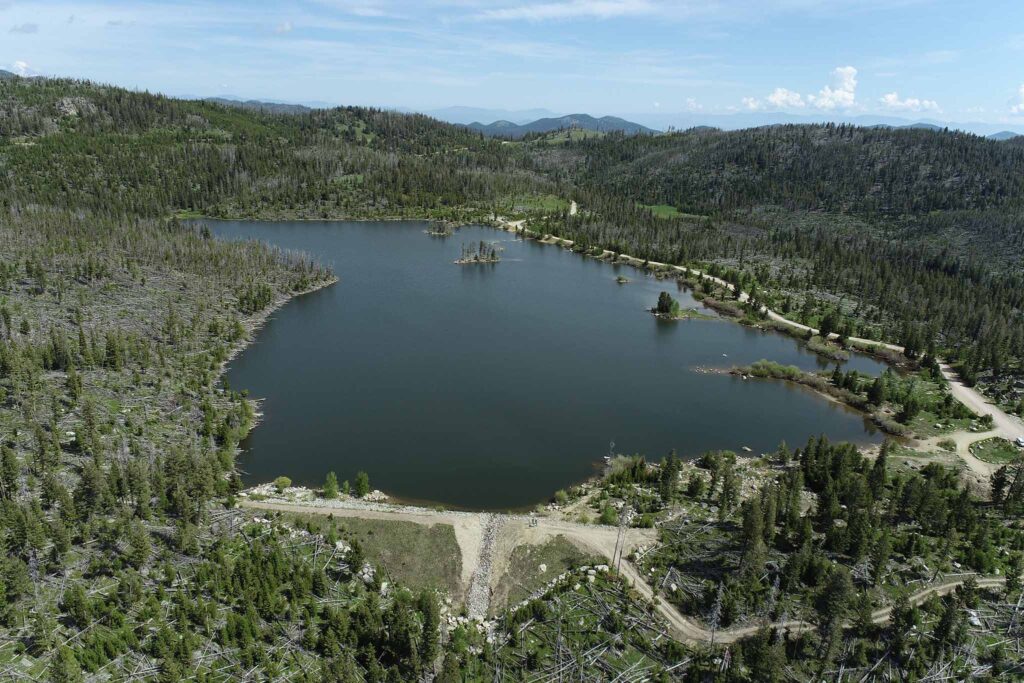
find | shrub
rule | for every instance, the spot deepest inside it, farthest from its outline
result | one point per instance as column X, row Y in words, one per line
column 608, row 515
column 281, row 483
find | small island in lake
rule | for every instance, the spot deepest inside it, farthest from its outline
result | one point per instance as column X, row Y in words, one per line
column 622, row 279
column 440, row 229
column 668, row 309
column 482, row 252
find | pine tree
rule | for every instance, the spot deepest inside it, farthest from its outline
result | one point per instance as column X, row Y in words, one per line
column 8, row 472
column 331, row 486
column 430, row 641
column 64, row 668
column 879, row 476
column 998, row 484
column 362, row 484
column 752, row 540
column 876, row 392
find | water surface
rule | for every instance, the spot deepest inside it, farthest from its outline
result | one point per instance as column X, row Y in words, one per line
column 492, row 386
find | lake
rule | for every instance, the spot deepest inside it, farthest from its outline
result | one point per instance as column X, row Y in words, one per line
column 492, row 386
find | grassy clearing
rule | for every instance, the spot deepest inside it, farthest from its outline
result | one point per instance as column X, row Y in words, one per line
column 928, row 424
column 545, row 202
column 414, row 555
column 827, row 349
column 995, row 450
column 524, row 575
column 662, row 210
column 569, row 135
column 691, row 314
column 668, row 211
column 903, row 458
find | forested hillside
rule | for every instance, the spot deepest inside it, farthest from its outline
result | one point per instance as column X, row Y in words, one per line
column 120, row 152
column 871, row 172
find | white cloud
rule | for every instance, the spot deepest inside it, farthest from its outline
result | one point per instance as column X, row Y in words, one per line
column 892, row 101
column 693, row 105
column 285, row 27
column 841, row 94
column 783, row 98
column 752, row 103
column 25, row 28
column 571, row 9
column 1019, row 107
column 22, row 68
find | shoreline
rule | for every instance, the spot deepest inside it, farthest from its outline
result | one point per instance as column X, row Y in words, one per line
column 341, row 219
column 1006, row 426
column 253, row 324
column 838, row 398
column 869, row 347
column 779, row 324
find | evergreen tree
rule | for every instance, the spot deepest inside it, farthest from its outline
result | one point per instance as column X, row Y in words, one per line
column 362, row 487
column 667, row 305
column 64, row 668
column 331, row 486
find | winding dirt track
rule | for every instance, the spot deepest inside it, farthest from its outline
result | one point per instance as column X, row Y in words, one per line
column 481, row 557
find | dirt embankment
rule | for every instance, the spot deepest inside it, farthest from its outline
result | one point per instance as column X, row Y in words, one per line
column 486, row 541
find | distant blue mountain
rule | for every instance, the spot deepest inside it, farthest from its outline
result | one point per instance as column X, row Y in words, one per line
column 738, row 120
column 605, row 124
column 272, row 107
column 467, row 115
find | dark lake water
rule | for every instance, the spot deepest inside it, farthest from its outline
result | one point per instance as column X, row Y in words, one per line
column 492, row 386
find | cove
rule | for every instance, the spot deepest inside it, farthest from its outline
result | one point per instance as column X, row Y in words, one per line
column 492, row 386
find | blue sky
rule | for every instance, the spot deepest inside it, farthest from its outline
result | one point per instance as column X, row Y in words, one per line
column 955, row 61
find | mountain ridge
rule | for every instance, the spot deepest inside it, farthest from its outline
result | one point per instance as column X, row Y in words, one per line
column 604, row 124
column 465, row 115
column 261, row 105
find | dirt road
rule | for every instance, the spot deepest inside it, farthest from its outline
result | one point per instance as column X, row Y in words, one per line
column 1005, row 425
column 487, row 539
